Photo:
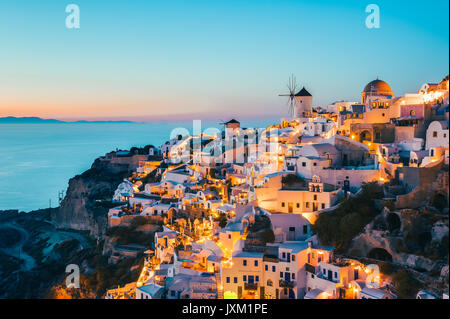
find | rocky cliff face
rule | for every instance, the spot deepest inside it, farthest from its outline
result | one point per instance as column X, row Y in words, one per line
column 414, row 238
column 85, row 206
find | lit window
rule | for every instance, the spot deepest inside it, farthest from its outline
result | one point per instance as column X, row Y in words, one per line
column 293, row 257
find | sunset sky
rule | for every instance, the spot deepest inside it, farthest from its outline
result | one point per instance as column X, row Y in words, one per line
column 152, row 60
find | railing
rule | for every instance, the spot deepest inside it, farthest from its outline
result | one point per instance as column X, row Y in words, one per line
column 310, row 268
column 249, row 286
column 287, row 284
column 271, row 259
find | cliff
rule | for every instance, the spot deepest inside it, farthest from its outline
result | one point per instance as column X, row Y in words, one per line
column 85, row 206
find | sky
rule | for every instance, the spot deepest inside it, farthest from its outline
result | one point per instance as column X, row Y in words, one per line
column 216, row 59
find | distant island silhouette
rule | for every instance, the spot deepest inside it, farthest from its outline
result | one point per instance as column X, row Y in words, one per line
column 38, row 120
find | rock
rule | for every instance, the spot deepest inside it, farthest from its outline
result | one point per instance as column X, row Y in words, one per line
column 82, row 207
column 439, row 231
column 444, row 271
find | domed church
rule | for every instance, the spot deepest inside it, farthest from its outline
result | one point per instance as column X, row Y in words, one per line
column 376, row 88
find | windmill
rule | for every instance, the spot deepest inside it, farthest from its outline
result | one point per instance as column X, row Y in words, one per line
column 292, row 87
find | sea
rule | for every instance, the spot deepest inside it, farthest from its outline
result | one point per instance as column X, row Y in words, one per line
column 37, row 160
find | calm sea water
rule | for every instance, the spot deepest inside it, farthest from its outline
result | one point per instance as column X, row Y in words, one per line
column 37, row 160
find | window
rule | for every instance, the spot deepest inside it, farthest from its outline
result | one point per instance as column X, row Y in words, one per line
column 304, row 164
column 298, row 205
column 235, row 280
column 434, row 134
column 229, row 236
column 281, row 274
column 244, row 278
column 307, row 204
column 228, row 280
column 291, row 228
column 314, row 164
column 266, row 267
column 256, row 263
column 323, row 205
column 269, row 283
column 335, row 274
column 293, row 257
column 172, row 293
column 324, row 271
column 284, row 255
column 293, row 275
column 282, row 204
column 305, row 229
column 315, row 197
column 244, row 262
column 273, row 269
column 257, row 278
column 432, row 152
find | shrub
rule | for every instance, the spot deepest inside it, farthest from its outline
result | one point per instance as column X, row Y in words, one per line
column 406, row 286
column 340, row 226
column 267, row 236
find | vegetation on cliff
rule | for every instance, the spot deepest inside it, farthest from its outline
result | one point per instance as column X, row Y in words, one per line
column 341, row 225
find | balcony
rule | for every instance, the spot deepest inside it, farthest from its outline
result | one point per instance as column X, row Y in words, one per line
column 249, row 286
column 287, row 284
column 310, row 268
column 271, row 259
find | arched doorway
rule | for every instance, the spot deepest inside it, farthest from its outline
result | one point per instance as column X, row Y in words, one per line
column 393, row 222
column 365, row 136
